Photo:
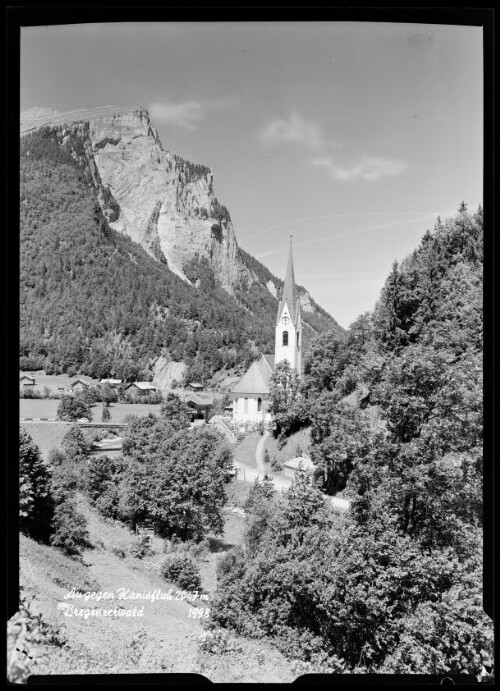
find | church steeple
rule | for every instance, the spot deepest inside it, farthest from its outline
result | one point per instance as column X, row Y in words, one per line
column 288, row 342
column 289, row 292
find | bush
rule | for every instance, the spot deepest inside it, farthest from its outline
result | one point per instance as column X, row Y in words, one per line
column 70, row 529
column 142, row 547
column 276, row 464
column 29, row 392
column 118, row 551
column 180, row 569
column 72, row 408
column 218, row 642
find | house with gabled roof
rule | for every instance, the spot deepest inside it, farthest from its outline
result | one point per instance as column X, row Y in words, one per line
column 251, row 395
column 80, row 385
column 141, row 387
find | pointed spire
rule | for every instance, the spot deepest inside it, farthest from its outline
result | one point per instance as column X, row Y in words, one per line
column 289, row 292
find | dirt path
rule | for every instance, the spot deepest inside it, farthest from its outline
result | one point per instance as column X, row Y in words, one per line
column 259, row 453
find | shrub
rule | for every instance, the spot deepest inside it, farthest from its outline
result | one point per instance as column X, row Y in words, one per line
column 142, row 547
column 118, row 551
column 218, row 642
column 276, row 464
column 180, row 569
column 29, row 392
column 70, row 529
column 72, row 408
column 237, row 493
column 267, row 458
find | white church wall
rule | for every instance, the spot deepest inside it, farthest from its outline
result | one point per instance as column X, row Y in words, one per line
column 249, row 412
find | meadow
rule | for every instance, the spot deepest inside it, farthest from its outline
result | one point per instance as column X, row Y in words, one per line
column 47, row 408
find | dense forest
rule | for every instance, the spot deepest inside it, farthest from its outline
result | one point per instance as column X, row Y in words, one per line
column 94, row 302
column 395, row 409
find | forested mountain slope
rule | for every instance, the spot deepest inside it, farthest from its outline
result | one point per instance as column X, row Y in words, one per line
column 397, row 585
column 94, row 301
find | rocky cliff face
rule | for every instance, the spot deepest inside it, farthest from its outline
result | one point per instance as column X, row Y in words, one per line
column 158, row 199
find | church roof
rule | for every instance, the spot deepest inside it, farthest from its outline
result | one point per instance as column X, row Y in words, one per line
column 256, row 379
column 270, row 361
column 289, row 293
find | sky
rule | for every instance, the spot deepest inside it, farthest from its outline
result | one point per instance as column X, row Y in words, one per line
column 352, row 136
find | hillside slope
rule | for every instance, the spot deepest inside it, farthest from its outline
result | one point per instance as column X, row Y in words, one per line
column 164, row 639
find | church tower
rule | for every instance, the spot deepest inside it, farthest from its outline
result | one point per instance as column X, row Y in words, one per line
column 288, row 342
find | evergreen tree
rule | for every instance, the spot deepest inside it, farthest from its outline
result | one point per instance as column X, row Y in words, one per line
column 36, row 504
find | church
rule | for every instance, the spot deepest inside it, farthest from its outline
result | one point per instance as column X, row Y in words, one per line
column 251, row 394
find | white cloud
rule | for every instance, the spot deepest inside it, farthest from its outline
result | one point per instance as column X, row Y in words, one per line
column 296, row 130
column 187, row 114
column 366, row 168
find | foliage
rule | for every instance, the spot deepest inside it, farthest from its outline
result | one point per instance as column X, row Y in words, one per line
column 70, row 528
column 176, row 411
column 35, row 490
column 176, row 478
column 286, row 400
column 396, row 421
column 218, row 642
column 180, row 569
column 141, row 547
column 75, row 444
column 73, row 407
column 106, row 414
column 103, row 487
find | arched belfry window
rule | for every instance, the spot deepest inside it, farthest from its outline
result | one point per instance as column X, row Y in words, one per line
column 259, row 405
column 285, row 338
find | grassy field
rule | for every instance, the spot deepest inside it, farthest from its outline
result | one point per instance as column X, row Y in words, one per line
column 297, row 444
column 47, row 436
column 245, row 450
column 47, row 408
column 119, row 411
column 52, row 381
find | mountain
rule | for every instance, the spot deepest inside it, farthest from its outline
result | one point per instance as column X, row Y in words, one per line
column 125, row 245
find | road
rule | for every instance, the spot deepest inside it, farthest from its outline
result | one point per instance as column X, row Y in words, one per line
column 249, row 474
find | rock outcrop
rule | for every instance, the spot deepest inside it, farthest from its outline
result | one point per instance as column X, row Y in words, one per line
column 158, row 199
column 161, row 201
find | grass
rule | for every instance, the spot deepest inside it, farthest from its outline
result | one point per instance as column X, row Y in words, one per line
column 52, row 381
column 119, row 411
column 47, row 408
column 296, row 444
column 38, row 407
column 245, row 450
column 47, row 436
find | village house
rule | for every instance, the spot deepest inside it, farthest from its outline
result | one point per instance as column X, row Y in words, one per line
column 112, row 382
column 25, row 380
column 140, row 388
column 251, row 394
column 199, row 404
column 80, row 385
column 195, row 386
